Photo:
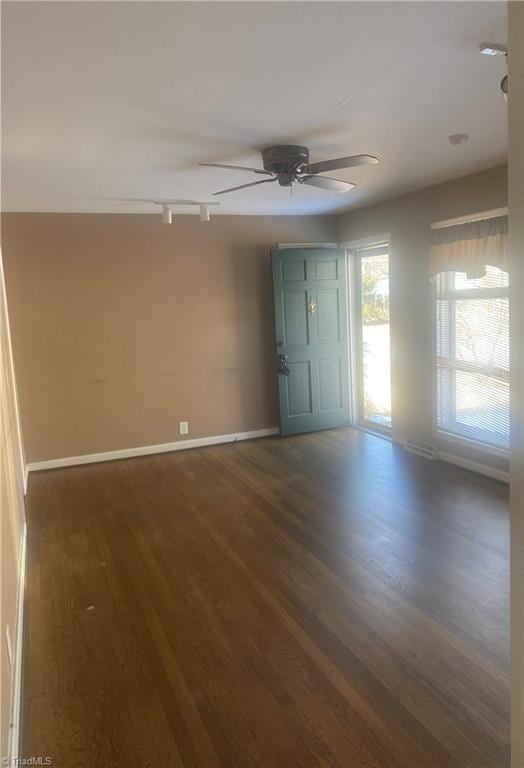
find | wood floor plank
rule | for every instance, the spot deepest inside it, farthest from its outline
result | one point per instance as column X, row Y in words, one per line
column 320, row 601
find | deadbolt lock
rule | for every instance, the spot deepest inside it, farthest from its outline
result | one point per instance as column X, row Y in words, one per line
column 283, row 367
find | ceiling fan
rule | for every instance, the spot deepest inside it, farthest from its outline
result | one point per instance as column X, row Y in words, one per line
column 289, row 164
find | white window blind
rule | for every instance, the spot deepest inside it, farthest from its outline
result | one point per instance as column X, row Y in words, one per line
column 472, row 348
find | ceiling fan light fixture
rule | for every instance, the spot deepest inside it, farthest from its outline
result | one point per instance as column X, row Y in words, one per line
column 204, row 213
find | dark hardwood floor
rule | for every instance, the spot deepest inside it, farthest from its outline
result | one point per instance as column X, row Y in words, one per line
column 320, row 601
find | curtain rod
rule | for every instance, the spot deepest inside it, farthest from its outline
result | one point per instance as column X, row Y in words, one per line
column 470, row 218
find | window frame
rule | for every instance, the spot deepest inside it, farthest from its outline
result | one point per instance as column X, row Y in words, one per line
column 452, row 295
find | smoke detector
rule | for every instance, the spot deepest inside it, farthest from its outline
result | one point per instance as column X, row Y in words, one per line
column 458, row 139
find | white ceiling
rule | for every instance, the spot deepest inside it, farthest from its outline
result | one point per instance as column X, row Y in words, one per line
column 115, row 100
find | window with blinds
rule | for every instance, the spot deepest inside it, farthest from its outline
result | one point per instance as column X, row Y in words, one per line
column 472, row 348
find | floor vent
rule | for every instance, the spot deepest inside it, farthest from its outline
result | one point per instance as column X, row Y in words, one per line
column 426, row 450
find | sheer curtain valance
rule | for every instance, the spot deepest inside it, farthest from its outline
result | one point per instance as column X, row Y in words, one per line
column 470, row 247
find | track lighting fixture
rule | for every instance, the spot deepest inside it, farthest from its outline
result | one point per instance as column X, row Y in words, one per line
column 167, row 206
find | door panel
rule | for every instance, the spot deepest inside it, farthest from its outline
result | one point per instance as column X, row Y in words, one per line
column 294, row 269
column 311, row 318
column 295, row 317
column 325, row 270
column 330, row 384
column 327, row 316
column 298, row 385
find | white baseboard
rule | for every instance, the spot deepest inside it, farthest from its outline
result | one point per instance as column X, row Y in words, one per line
column 474, row 466
column 16, row 685
column 126, row 453
column 398, row 439
column 461, row 461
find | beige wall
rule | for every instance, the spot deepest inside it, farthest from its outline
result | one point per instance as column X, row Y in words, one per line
column 11, row 519
column 123, row 326
column 407, row 219
column 516, row 224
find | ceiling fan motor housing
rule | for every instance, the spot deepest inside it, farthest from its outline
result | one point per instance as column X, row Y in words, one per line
column 285, row 160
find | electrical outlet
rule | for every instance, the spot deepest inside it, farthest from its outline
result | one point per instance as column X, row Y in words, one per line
column 9, row 647
column 183, row 428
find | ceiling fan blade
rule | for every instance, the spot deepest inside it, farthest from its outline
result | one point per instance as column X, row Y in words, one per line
column 324, row 182
column 243, row 186
column 236, row 168
column 341, row 162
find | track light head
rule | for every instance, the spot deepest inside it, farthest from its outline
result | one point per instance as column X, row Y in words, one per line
column 167, row 215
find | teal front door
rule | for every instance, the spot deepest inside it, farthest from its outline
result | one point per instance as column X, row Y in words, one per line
column 311, row 319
